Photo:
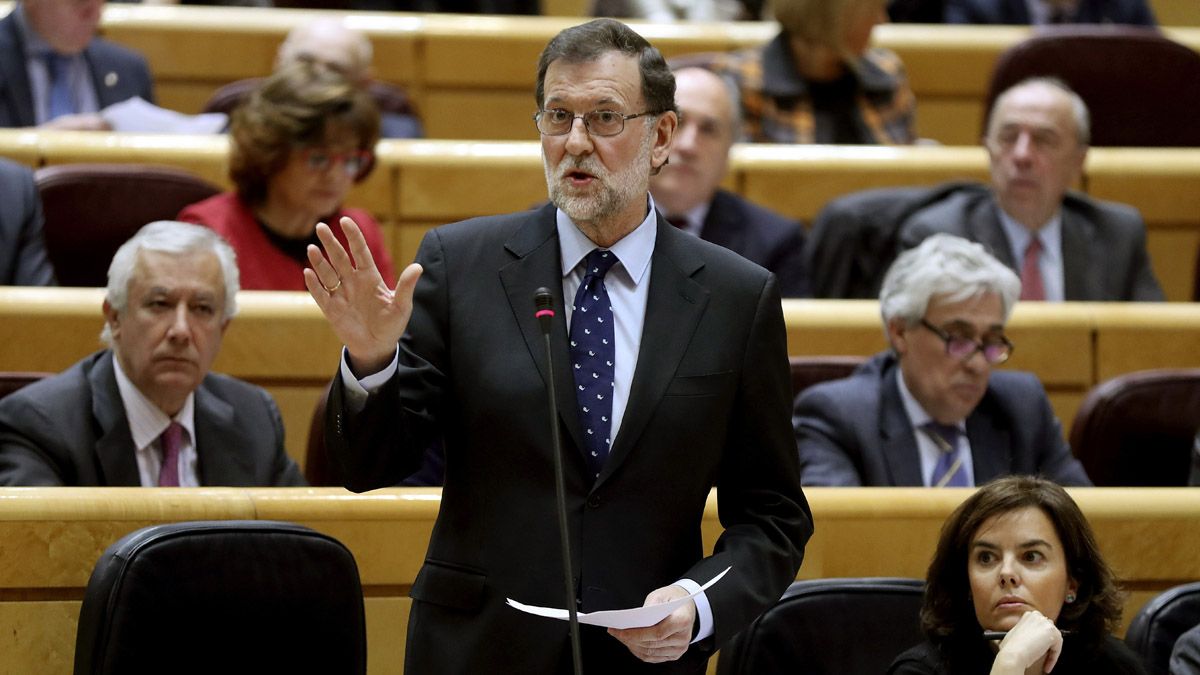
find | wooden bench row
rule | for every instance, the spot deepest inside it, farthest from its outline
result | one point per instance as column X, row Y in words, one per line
column 473, row 78
column 282, row 342
column 421, row 184
column 53, row 537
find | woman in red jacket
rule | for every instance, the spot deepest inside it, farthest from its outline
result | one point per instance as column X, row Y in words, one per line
column 300, row 142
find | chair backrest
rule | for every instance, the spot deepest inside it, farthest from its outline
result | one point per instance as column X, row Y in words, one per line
column 1139, row 86
column 216, row 596
column 854, row 238
column 318, row 468
column 1137, row 429
column 1160, row 622
column 810, row 370
column 12, row 381
column 91, row 209
column 388, row 97
column 830, row 627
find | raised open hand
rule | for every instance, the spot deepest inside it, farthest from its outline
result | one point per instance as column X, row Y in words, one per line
column 366, row 315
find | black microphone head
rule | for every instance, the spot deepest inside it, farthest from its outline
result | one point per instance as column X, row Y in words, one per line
column 543, row 300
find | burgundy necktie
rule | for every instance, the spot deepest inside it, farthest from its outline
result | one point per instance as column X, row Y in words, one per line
column 1032, row 287
column 169, row 441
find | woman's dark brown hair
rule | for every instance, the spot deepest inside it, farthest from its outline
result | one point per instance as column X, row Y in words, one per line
column 295, row 107
column 948, row 614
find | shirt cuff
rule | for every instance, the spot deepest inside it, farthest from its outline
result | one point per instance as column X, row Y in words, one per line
column 703, row 609
column 358, row 390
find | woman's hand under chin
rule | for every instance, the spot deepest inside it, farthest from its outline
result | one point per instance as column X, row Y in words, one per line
column 1033, row 645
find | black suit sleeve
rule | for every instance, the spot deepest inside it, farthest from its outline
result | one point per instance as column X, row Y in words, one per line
column 766, row 518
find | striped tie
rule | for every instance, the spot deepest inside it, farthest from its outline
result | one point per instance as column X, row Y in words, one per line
column 169, row 442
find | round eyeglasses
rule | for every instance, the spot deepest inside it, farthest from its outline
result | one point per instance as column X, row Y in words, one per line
column 995, row 350
column 597, row 122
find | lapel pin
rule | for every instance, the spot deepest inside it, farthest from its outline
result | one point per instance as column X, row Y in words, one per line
column 110, row 80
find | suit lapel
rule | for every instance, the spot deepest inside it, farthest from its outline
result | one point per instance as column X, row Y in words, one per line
column 114, row 442
column 720, row 225
column 14, row 78
column 988, row 231
column 1078, row 283
column 896, row 438
column 220, row 456
column 674, row 304
column 539, row 264
column 991, row 447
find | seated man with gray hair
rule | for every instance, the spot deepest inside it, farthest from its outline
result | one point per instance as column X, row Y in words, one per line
column 146, row 411
column 932, row 411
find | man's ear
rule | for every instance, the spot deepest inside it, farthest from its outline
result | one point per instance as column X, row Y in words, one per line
column 112, row 317
column 897, row 330
column 664, row 132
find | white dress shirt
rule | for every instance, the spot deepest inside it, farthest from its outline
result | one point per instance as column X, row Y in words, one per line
column 928, row 450
column 146, row 424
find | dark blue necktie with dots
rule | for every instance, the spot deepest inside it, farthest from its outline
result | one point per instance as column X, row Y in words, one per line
column 592, row 356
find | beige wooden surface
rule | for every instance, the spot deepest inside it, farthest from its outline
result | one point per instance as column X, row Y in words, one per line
column 52, row 538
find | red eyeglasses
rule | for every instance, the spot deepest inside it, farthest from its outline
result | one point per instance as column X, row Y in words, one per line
column 352, row 161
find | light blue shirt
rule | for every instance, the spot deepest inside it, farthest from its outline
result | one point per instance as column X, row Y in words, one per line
column 926, row 448
column 1050, row 262
column 79, row 76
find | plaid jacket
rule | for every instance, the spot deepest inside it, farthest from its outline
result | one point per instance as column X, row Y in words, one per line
column 777, row 107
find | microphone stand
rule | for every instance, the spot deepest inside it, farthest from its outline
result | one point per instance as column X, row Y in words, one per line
column 543, row 301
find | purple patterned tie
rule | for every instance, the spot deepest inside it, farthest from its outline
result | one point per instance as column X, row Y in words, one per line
column 948, row 471
column 169, row 441
column 593, row 354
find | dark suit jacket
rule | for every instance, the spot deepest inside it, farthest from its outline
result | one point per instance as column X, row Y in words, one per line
column 762, row 237
column 118, row 73
column 855, row 431
column 1016, row 12
column 1194, row 479
column 1103, row 243
column 23, row 260
column 71, row 429
column 708, row 405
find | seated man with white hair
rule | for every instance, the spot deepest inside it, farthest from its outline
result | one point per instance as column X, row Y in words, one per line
column 932, row 411
column 147, row 411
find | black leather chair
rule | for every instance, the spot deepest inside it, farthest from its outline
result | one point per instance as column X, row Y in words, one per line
column 1137, row 83
column 1138, row 429
column 223, row 597
column 1160, row 622
column 830, row 627
column 91, row 209
column 854, row 239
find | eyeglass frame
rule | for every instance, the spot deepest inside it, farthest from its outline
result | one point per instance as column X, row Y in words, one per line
column 587, row 127
column 366, row 159
column 979, row 345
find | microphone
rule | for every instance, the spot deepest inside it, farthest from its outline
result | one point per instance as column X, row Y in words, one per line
column 543, row 302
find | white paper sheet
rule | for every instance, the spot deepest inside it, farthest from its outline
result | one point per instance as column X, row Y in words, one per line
column 139, row 116
column 636, row 617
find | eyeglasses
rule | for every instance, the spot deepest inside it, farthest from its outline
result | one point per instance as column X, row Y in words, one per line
column 597, row 122
column 353, row 161
column 995, row 351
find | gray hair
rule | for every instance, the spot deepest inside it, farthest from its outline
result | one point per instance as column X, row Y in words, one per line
column 948, row 266
column 1079, row 109
column 168, row 236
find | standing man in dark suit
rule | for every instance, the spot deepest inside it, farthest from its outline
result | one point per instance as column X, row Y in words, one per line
column 688, row 189
column 147, row 411
column 55, row 72
column 932, row 411
column 23, row 259
column 677, row 381
column 1040, row 12
column 1065, row 246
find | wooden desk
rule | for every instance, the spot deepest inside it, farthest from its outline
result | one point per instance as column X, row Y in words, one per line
column 472, row 78
column 53, row 536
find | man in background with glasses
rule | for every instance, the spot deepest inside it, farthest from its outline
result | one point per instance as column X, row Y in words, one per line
column 932, row 411
column 670, row 377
